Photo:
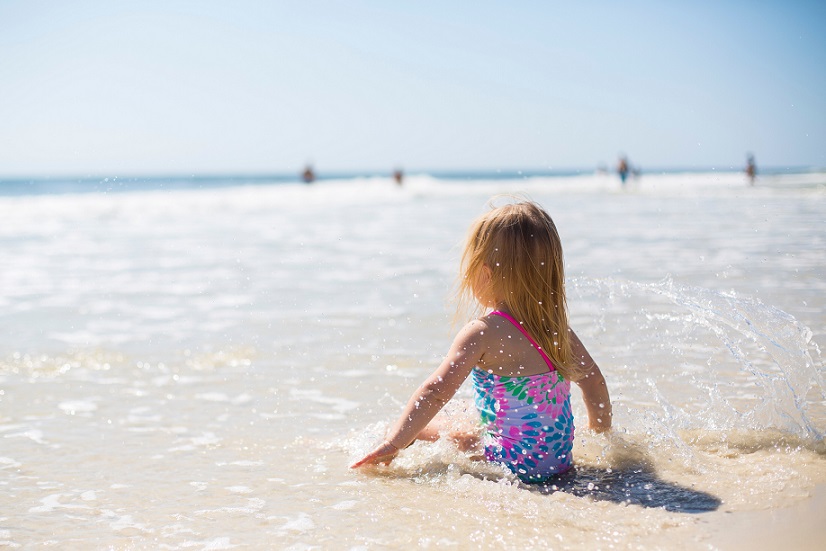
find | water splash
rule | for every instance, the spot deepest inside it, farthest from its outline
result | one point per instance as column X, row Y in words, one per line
column 739, row 363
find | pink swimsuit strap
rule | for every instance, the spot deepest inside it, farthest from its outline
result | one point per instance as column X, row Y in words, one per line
column 527, row 336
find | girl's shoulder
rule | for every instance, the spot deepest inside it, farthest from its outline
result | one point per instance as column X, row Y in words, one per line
column 479, row 328
column 474, row 339
column 476, row 327
column 494, row 322
column 489, row 327
column 483, row 333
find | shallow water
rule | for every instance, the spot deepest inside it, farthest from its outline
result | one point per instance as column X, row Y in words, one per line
column 197, row 368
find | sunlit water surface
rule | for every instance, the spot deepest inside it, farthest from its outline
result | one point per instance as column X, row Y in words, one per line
column 197, row 368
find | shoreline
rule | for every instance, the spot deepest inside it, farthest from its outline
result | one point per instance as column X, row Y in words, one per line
column 799, row 526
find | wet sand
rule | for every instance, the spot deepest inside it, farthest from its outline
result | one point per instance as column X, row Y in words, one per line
column 800, row 526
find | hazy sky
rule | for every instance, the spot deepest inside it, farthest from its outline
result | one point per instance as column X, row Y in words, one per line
column 124, row 88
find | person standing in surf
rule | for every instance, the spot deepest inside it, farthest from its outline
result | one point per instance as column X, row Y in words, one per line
column 521, row 353
column 623, row 168
column 751, row 169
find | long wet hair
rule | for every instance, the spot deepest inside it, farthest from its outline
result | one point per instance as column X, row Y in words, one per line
column 520, row 245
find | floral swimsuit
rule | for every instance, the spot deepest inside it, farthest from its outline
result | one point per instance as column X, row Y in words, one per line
column 528, row 420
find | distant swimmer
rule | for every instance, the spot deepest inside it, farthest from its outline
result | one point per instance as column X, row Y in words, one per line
column 398, row 176
column 623, row 169
column 308, row 175
column 751, row 169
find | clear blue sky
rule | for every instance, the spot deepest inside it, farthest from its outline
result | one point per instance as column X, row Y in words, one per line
column 123, row 88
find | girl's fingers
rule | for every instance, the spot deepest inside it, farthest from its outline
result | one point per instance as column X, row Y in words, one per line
column 368, row 459
column 383, row 454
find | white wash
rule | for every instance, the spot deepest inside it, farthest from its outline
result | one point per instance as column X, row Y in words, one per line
column 197, row 368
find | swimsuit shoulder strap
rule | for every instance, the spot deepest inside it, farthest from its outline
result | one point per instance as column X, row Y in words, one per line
column 527, row 336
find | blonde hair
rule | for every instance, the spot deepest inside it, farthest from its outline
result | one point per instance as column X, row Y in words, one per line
column 520, row 245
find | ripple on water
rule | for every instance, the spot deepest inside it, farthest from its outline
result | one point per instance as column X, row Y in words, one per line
column 79, row 407
column 300, row 523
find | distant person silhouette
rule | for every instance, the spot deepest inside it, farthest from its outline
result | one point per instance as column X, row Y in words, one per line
column 751, row 169
column 308, row 175
column 398, row 176
column 623, row 169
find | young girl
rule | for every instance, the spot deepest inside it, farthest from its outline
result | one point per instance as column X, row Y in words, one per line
column 522, row 354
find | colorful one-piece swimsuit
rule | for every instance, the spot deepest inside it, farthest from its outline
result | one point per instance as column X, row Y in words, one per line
column 528, row 420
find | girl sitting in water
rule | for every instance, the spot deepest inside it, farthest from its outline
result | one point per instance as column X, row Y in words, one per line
column 522, row 354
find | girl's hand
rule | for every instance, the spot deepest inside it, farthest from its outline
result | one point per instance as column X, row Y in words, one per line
column 599, row 429
column 384, row 453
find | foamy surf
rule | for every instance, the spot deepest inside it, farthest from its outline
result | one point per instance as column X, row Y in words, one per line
column 196, row 368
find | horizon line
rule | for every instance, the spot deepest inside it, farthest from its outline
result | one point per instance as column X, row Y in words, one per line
column 337, row 174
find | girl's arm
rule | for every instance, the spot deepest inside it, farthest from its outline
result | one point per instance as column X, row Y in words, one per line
column 432, row 395
column 594, row 389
